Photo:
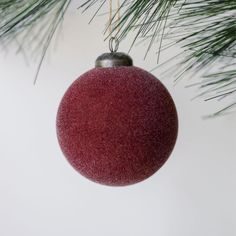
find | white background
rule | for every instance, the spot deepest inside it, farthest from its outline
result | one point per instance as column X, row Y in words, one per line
column 41, row 194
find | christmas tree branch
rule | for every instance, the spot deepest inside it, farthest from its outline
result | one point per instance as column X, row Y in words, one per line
column 205, row 30
column 31, row 23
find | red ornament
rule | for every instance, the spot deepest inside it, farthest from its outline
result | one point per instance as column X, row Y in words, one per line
column 117, row 124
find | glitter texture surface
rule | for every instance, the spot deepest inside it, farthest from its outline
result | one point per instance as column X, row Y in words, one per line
column 117, row 126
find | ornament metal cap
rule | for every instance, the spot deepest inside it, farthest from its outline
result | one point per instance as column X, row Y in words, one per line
column 114, row 58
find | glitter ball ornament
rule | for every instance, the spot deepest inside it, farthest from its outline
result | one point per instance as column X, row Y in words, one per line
column 117, row 124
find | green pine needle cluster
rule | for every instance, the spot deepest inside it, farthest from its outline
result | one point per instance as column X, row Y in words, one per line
column 205, row 30
column 31, row 24
column 24, row 16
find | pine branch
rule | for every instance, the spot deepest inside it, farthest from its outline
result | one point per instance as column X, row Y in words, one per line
column 31, row 23
column 204, row 29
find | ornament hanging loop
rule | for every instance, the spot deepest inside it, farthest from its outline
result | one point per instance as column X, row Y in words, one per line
column 114, row 44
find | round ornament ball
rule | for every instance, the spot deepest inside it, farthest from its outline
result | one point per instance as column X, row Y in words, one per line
column 117, row 124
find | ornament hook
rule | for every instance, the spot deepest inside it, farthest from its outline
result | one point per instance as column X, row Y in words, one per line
column 114, row 44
